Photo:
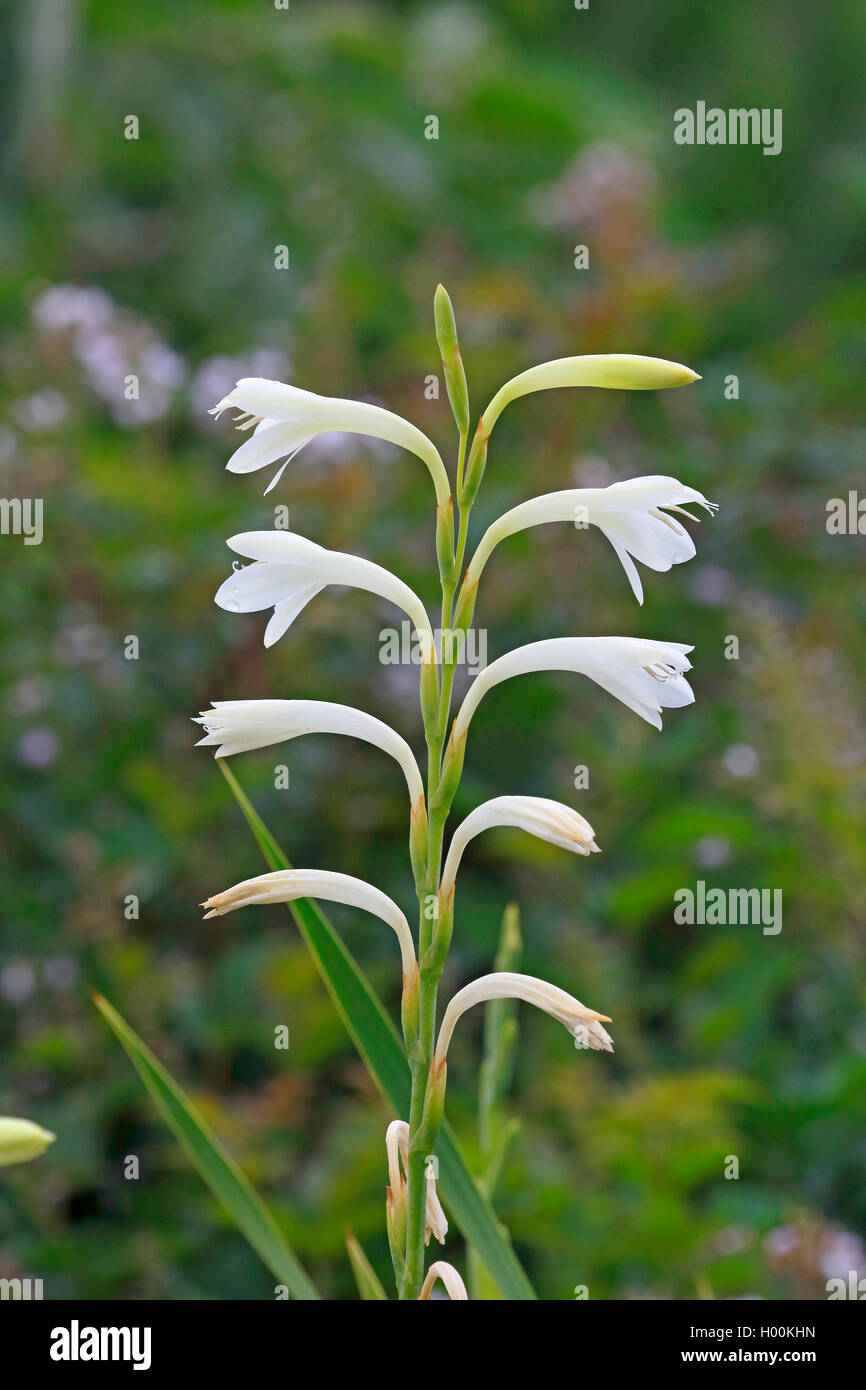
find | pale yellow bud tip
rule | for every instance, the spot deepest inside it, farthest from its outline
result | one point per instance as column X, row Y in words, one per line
column 22, row 1140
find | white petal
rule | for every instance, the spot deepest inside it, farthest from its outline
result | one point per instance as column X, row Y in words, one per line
column 310, row 414
column 288, row 884
column 554, row 1001
column 238, row 726
column 613, row 662
column 537, row 815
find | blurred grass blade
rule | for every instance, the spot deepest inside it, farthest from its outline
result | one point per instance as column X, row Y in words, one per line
column 381, row 1048
column 368, row 1281
column 206, row 1153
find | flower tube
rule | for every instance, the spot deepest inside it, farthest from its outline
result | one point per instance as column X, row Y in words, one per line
column 454, row 1285
column 284, row 418
column 290, row 570
column 646, row 676
column 633, row 515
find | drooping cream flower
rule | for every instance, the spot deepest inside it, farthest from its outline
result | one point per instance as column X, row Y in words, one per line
column 285, row 885
column 237, row 726
column 397, row 1149
column 284, row 418
column 632, row 514
column 537, row 815
column 22, row 1140
column 290, row 570
column 645, row 675
column 584, row 1024
column 454, row 1285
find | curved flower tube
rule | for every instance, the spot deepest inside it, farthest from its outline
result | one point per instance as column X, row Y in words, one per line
column 238, row 726
column 290, row 570
column 284, row 418
column 645, row 675
column 537, row 815
column 285, row 885
column 454, row 1285
column 632, row 514
column 584, row 1024
column 22, row 1140
column 397, row 1149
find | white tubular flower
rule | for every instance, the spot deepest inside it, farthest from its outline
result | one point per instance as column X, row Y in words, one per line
column 548, row 820
column 286, row 885
column 237, row 726
column 454, row 1285
column 290, row 570
column 632, row 514
column 22, row 1140
column 584, row 1024
column 285, row 418
column 397, row 1149
column 613, row 370
column 646, row 676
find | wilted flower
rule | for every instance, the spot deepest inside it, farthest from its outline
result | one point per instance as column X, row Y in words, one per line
column 397, row 1149
column 22, row 1140
column 548, row 820
column 237, row 726
column 285, row 885
column 454, row 1285
column 645, row 675
column 285, row 418
column 290, row 570
column 584, row 1024
column 632, row 514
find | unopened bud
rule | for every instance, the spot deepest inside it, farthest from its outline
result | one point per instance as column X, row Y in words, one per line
column 452, row 362
column 22, row 1140
column 445, row 541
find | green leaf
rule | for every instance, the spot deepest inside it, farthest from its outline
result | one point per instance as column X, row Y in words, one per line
column 216, row 1166
column 368, row 1281
column 381, row 1048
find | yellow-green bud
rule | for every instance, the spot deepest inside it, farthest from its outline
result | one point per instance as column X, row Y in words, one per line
column 21, row 1140
column 418, row 833
column 475, row 465
column 452, row 362
column 429, row 687
column 465, row 609
column 452, row 767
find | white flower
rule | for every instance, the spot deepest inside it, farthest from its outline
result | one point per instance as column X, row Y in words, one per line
column 236, row 726
column 584, row 1024
column 397, row 1148
column 548, row 820
column 614, row 370
column 646, row 676
column 21, row 1140
column 290, row 570
column 286, row 885
column 285, row 418
column 454, row 1285
column 632, row 514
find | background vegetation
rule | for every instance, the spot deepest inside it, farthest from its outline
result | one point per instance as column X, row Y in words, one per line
column 305, row 127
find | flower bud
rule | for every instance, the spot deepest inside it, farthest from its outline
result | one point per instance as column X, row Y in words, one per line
column 418, row 834
column 465, row 609
column 452, row 362
column 452, row 767
column 445, row 541
column 475, row 465
column 22, row 1140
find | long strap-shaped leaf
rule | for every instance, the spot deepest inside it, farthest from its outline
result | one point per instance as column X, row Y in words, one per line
column 216, row 1166
column 379, row 1045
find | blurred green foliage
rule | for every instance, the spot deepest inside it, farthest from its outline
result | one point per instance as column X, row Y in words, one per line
column 261, row 127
